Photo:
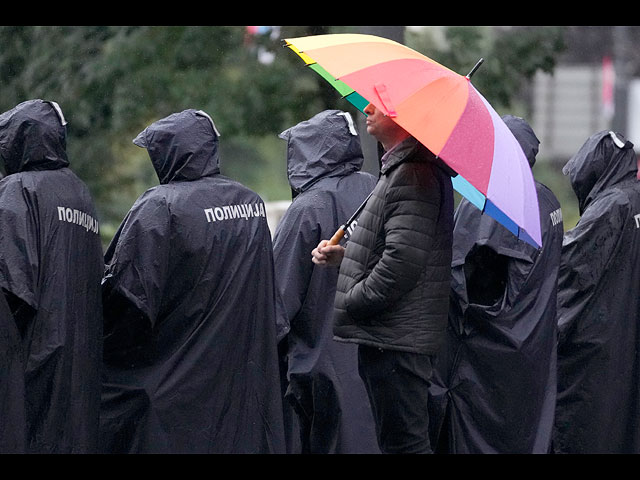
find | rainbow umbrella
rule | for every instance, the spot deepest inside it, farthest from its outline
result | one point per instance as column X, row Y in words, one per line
column 442, row 110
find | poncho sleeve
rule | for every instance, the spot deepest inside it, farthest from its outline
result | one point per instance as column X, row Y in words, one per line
column 296, row 236
column 137, row 267
column 587, row 251
column 19, row 259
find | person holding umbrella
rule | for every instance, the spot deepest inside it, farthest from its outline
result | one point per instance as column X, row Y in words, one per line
column 393, row 284
column 324, row 161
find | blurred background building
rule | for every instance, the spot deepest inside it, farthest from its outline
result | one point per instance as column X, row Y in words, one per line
column 595, row 86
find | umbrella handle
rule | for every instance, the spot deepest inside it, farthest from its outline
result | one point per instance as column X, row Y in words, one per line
column 337, row 236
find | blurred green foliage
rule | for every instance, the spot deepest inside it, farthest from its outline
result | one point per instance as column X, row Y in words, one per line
column 113, row 81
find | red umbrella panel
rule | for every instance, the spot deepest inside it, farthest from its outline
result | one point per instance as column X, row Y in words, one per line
column 441, row 109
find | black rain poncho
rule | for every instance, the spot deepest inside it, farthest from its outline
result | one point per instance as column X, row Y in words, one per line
column 12, row 405
column 494, row 381
column 190, row 340
column 324, row 160
column 50, row 271
column 599, row 304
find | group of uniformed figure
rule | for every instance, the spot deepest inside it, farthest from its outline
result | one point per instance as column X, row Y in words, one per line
column 195, row 332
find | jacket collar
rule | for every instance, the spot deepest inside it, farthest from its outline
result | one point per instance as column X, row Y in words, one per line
column 398, row 154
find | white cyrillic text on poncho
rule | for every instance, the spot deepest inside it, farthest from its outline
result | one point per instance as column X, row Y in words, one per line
column 230, row 212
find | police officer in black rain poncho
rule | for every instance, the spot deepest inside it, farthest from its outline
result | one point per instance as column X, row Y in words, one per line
column 494, row 387
column 324, row 160
column 599, row 304
column 190, row 340
column 50, row 271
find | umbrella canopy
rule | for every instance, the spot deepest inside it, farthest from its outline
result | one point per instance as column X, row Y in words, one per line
column 442, row 110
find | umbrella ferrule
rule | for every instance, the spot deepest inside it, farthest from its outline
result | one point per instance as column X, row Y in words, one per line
column 473, row 70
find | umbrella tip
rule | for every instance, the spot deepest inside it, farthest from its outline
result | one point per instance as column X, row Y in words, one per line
column 473, row 70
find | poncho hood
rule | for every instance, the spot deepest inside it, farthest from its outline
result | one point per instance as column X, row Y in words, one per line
column 326, row 144
column 33, row 137
column 182, row 146
column 605, row 159
column 525, row 135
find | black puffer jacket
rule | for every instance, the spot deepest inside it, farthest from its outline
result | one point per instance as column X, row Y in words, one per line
column 393, row 287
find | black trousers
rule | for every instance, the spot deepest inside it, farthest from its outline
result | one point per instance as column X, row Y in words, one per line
column 398, row 387
column 317, row 406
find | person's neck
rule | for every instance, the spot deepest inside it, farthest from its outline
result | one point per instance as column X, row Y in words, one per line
column 392, row 141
